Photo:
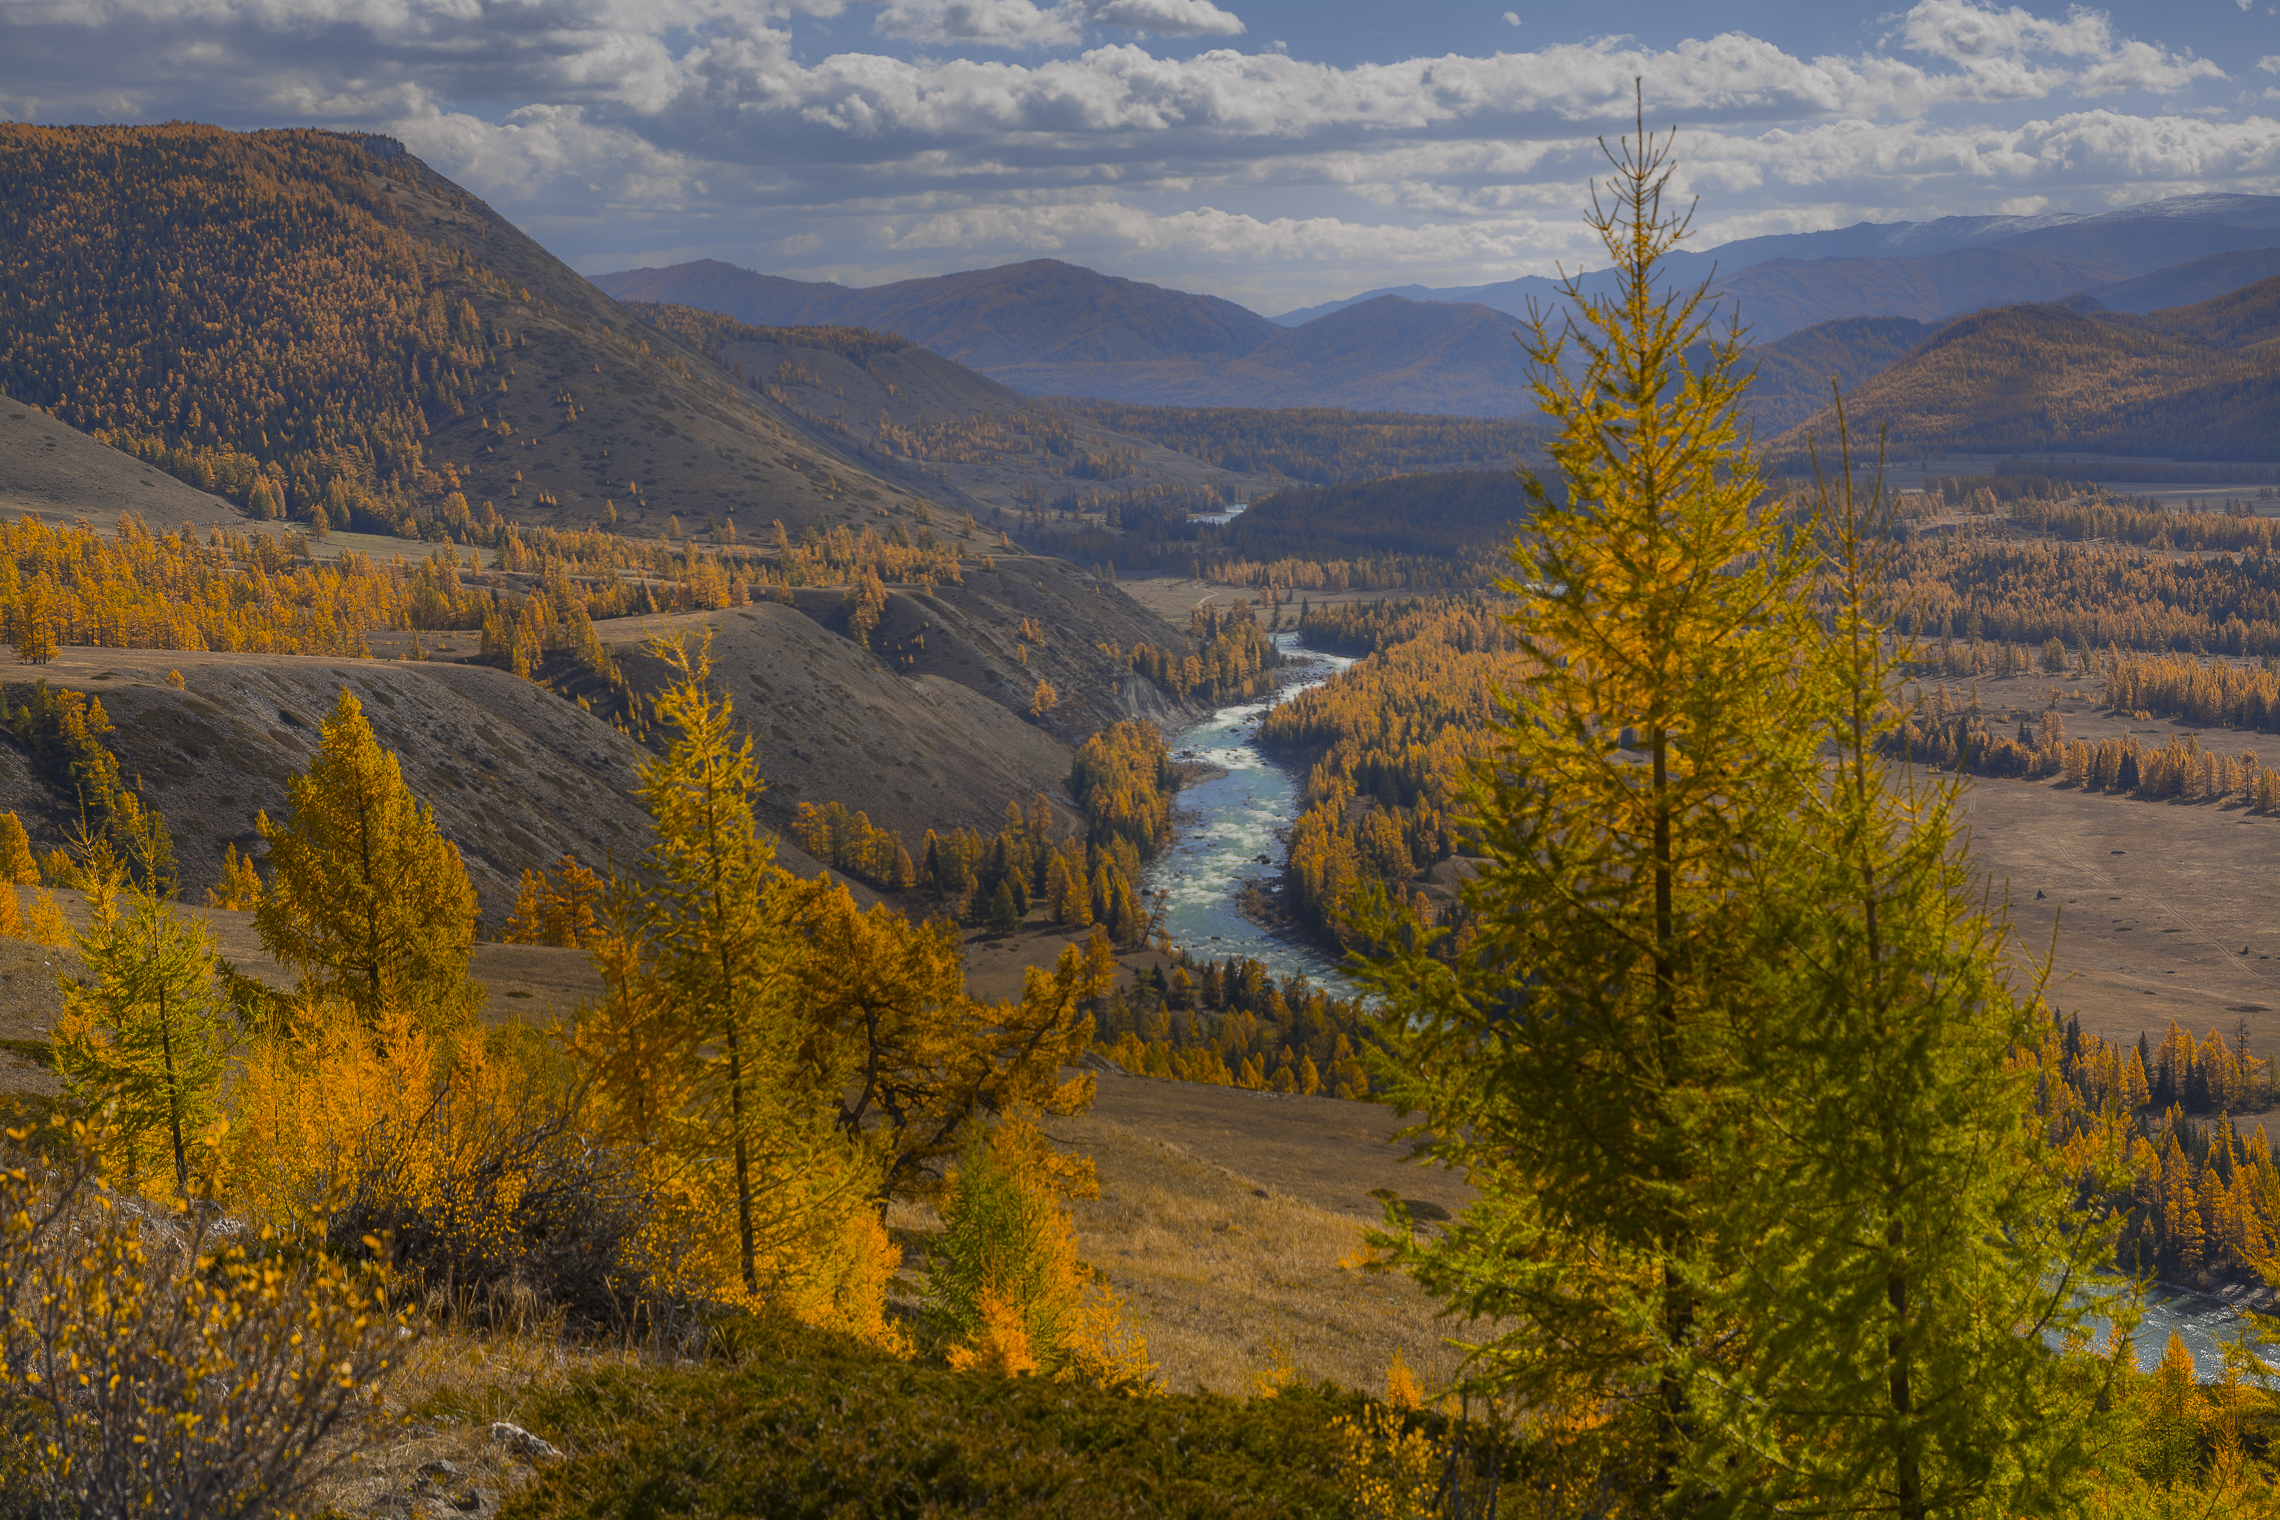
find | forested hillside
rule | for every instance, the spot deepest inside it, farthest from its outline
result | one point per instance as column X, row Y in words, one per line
column 318, row 326
column 2038, row 379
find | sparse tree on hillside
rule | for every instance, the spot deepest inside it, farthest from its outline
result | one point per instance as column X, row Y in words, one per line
column 240, row 888
column 367, row 900
column 885, row 999
column 699, row 1038
column 557, row 907
column 17, row 867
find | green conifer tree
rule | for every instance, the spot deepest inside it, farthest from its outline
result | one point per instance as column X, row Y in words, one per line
column 1899, row 1212
column 147, row 1035
column 1005, row 915
column 1576, row 1054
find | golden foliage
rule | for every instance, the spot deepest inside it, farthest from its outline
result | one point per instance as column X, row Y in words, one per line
column 366, row 899
column 1388, row 743
column 167, row 1372
column 43, row 922
column 1004, row 1279
column 305, row 334
column 239, row 890
column 557, row 907
column 16, row 864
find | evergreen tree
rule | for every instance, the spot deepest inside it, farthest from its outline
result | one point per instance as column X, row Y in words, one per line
column 367, row 899
column 1899, row 1210
column 1576, row 1056
column 1727, row 1055
column 1005, row 914
column 147, row 1035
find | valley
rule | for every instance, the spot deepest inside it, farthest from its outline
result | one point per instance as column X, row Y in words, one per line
column 1110, row 670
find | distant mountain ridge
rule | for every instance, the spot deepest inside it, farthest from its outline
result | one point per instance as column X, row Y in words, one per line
column 1046, row 327
column 2192, row 382
column 1040, row 312
column 2172, row 231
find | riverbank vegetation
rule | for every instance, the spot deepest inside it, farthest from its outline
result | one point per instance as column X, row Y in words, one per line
column 1386, row 745
column 1788, row 1195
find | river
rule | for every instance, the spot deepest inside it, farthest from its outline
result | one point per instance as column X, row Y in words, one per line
column 2205, row 1324
column 1235, row 828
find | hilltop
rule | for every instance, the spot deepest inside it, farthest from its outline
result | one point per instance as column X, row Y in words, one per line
column 304, row 320
column 2196, row 382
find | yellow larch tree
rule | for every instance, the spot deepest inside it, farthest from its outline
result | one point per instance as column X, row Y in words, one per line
column 367, row 900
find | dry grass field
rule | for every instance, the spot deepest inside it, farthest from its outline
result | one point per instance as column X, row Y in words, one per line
column 2148, row 911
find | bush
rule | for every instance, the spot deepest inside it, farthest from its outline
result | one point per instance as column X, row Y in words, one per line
column 817, row 1425
column 462, row 1152
column 154, row 1371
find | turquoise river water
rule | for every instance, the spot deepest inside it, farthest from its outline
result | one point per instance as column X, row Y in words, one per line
column 1234, row 829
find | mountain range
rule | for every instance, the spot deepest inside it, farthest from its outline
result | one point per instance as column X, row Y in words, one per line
column 1049, row 328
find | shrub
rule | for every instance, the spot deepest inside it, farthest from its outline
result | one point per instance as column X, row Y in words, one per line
column 818, row 1425
column 1003, row 1281
column 461, row 1151
column 164, row 1372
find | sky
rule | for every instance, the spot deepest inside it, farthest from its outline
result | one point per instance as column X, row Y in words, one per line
column 1275, row 152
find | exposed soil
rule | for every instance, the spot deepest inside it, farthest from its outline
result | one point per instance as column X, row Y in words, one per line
column 53, row 471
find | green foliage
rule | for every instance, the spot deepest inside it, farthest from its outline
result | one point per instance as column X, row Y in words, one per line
column 1005, row 915
column 146, row 1039
column 1728, row 1054
column 366, row 899
column 1002, row 1246
column 1903, row 1207
column 65, row 731
column 814, row 1426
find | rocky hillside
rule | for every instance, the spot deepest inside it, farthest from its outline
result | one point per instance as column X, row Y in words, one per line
column 932, row 425
column 517, row 776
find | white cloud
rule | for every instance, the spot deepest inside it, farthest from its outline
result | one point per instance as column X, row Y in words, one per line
column 1167, row 18
column 1511, row 18
column 645, row 128
column 988, row 23
column 1022, row 24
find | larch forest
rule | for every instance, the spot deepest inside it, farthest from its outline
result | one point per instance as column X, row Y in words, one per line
column 767, row 1119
